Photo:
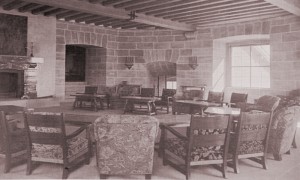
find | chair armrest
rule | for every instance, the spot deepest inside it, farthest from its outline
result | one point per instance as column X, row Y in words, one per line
column 77, row 132
column 174, row 132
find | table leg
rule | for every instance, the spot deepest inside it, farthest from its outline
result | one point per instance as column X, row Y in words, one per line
column 75, row 103
column 151, row 108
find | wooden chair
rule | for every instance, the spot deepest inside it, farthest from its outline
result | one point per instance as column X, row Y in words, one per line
column 251, row 138
column 147, row 92
column 206, row 143
column 237, row 98
column 13, row 142
column 166, row 99
column 48, row 141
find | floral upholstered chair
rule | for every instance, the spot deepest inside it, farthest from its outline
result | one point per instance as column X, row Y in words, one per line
column 48, row 141
column 250, row 140
column 13, row 141
column 125, row 144
column 206, row 143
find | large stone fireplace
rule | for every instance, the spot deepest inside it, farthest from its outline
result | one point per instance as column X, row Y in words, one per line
column 18, row 77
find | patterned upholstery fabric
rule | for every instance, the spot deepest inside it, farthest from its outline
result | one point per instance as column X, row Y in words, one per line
column 76, row 146
column 216, row 97
column 125, row 143
column 178, row 147
column 283, row 127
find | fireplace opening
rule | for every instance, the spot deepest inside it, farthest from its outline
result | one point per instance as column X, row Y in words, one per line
column 11, row 83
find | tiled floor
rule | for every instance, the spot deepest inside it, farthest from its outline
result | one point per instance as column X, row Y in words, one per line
column 287, row 169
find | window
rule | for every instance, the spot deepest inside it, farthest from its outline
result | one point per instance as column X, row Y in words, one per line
column 250, row 66
column 171, row 85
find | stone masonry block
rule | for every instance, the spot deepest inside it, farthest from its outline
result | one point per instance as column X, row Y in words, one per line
column 149, row 39
column 68, row 37
column 80, row 37
column 162, row 33
column 74, row 37
column 295, row 27
column 136, row 53
column 145, row 45
column 87, row 38
column 60, row 48
column 266, row 26
column 122, row 52
column 126, row 33
column 248, row 28
column 280, row 29
column 143, row 33
column 87, row 29
column 61, row 25
column 112, row 45
column 127, row 45
column 186, row 52
column 60, row 32
column 60, row 40
column 161, row 45
column 166, row 39
column 293, row 36
column 122, row 39
column 177, row 45
column 74, row 27
column 93, row 39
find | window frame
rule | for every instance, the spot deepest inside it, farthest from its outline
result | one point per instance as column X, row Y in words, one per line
column 229, row 61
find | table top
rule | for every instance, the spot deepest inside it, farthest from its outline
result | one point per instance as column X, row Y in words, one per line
column 141, row 98
column 12, row 109
column 223, row 111
column 88, row 95
column 200, row 103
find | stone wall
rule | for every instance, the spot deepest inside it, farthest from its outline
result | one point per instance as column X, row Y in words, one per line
column 167, row 45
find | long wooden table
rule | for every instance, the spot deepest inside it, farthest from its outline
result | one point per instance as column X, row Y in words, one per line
column 132, row 100
column 96, row 101
column 192, row 107
column 223, row 111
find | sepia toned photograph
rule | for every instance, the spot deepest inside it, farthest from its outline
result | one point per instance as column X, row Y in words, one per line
column 150, row 89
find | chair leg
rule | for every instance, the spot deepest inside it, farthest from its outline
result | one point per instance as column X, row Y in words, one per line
column 147, row 176
column 288, row 152
column 224, row 169
column 65, row 173
column 7, row 164
column 264, row 162
column 236, row 165
column 29, row 166
column 294, row 140
column 277, row 157
column 103, row 176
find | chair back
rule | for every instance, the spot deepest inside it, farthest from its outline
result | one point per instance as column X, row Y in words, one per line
column 167, row 93
column 210, row 132
column 238, row 98
column 129, row 142
column 147, row 92
column 90, row 89
column 45, row 128
column 252, row 132
column 4, row 133
column 268, row 103
column 216, row 97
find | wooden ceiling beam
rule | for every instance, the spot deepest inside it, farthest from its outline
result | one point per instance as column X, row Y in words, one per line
column 174, row 7
column 146, row 5
column 242, row 18
column 13, row 5
column 201, row 8
column 5, row 2
column 292, row 6
column 130, row 3
column 67, row 14
column 233, row 21
column 90, row 17
column 236, row 15
column 111, row 2
column 107, row 23
column 41, row 10
column 28, row 7
column 95, row 19
column 78, row 16
column 54, row 12
column 97, row 9
column 124, row 24
column 219, row 12
column 103, row 21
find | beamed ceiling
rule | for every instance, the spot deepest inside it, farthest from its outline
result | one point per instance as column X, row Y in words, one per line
column 185, row 15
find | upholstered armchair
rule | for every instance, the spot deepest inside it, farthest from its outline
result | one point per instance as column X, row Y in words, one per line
column 237, row 98
column 125, row 144
column 265, row 103
column 283, row 128
column 13, row 142
column 48, row 142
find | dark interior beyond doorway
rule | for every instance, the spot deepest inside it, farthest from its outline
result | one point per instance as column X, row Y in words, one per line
column 75, row 63
column 11, row 83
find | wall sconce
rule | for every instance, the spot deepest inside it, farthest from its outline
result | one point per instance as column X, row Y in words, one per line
column 129, row 62
column 193, row 63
